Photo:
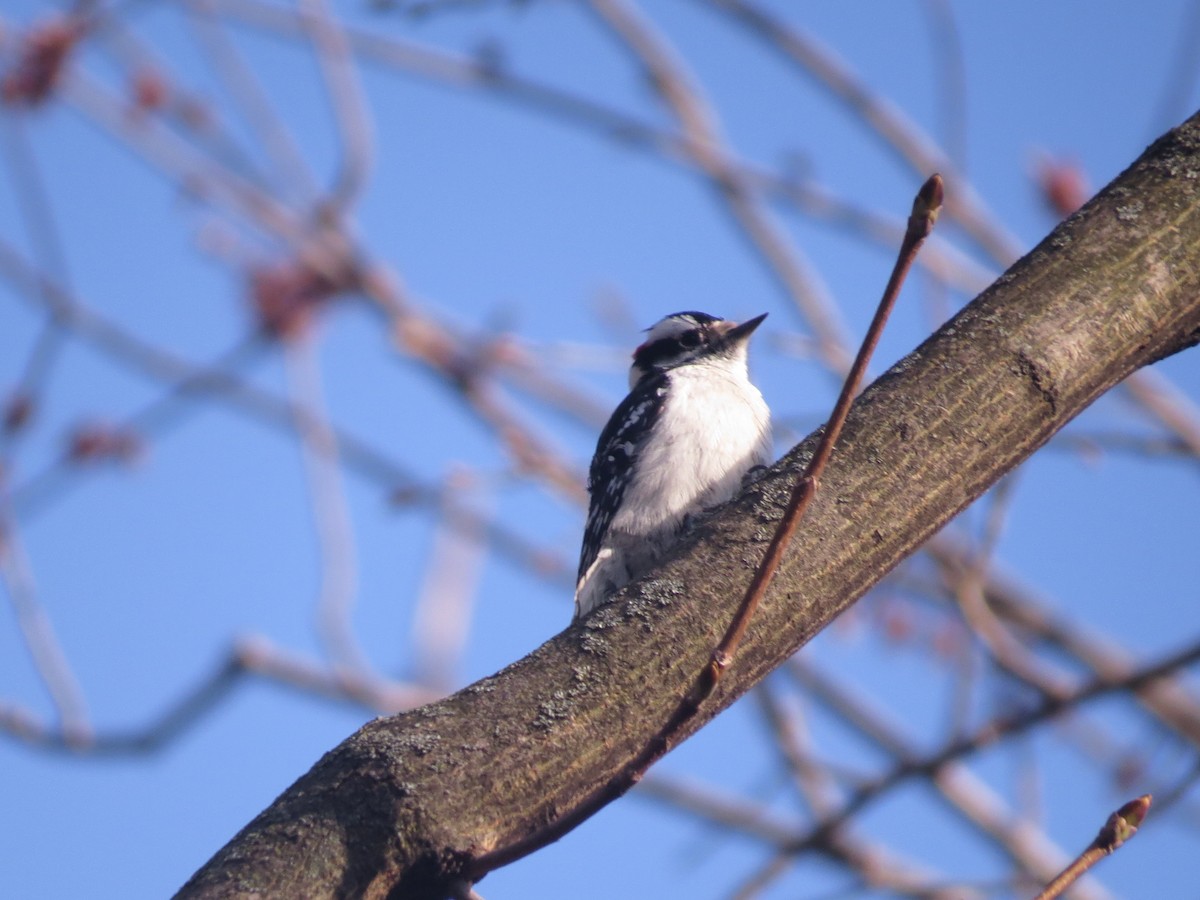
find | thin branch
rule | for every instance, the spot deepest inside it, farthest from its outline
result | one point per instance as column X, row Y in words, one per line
column 33, row 201
column 331, row 511
column 248, row 96
column 868, row 861
column 21, row 405
column 442, row 618
column 1120, row 827
column 216, row 381
column 150, row 91
column 1166, row 699
column 898, row 132
column 1015, row 724
column 968, row 590
column 941, row 259
column 950, row 79
column 465, row 369
column 327, row 251
column 812, row 780
column 347, row 101
column 925, row 210
column 1168, row 404
column 706, row 147
column 721, row 808
column 1092, row 445
column 249, row 657
column 50, row 660
column 33, row 495
column 964, row 794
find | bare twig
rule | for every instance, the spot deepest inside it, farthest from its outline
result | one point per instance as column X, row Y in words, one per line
column 219, row 382
column 39, row 223
column 721, row 808
column 925, row 212
column 967, row 796
column 911, row 144
column 442, row 618
column 1166, row 699
column 922, row 154
column 706, row 147
column 49, row 659
column 940, row 258
column 968, row 589
column 1018, row 723
column 240, row 81
column 1169, row 405
column 1120, row 827
column 812, row 780
column 1179, row 81
column 249, row 657
column 467, row 371
column 1093, row 445
column 331, row 511
column 346, row 100
column 151, row 91
column 950, row 79
column 867, row 860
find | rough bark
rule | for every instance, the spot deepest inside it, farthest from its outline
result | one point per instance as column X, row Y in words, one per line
column 407, row 804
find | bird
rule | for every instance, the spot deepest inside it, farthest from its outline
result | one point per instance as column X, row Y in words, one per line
column 691, row 428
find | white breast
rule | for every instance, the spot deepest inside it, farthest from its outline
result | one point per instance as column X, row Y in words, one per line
column 715, row 427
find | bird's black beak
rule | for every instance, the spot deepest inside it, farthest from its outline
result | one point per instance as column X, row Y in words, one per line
column 739, row 333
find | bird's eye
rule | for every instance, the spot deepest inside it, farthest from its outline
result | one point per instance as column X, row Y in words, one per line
column 690, row 339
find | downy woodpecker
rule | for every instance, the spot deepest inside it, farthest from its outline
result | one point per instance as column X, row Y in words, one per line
column 682, row 441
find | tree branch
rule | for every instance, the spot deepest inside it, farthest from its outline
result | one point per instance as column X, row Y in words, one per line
column 405, row 807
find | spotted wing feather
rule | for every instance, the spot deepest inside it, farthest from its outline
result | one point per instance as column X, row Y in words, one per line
column 612, row 464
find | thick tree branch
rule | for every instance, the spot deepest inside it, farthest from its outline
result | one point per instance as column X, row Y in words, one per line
column 412, row 803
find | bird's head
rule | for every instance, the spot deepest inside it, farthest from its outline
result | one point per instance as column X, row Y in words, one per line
column 686, row 338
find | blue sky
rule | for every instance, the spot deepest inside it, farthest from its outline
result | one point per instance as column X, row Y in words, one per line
column 498, row 216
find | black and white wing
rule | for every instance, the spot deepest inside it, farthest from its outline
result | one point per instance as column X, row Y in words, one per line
column 613, row 463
